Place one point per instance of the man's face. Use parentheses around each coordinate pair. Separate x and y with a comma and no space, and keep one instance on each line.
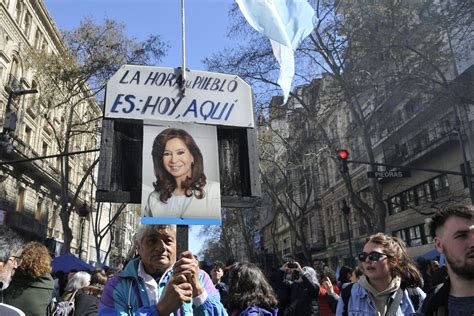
(316,264)
(7,269)
(216,274)
(456,241)
(158,250)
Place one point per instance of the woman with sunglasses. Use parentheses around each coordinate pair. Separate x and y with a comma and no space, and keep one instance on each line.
(390,284)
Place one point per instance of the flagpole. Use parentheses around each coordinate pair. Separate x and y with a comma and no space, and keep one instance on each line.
(183,55)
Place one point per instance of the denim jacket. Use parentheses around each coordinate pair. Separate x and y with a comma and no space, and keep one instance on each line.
(361,305)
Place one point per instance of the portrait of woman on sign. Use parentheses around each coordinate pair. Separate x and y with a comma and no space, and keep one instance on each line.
(181,192)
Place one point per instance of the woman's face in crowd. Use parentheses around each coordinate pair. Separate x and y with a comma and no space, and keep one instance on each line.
(376,269)
(177,159)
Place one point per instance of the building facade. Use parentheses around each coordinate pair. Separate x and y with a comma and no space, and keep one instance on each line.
(428,128)
(31,191)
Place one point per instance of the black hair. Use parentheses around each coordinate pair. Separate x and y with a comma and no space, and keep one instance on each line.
(218,265)
(345,270)
(457,210)
(248,287)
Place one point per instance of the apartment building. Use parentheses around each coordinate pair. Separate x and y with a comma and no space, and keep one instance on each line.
(30,192)
(409,124)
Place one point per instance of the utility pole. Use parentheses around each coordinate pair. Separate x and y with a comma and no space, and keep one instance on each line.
(346,210)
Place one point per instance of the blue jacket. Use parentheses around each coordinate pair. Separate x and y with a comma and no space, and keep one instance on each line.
(360,303)
(125,294)
(257,311)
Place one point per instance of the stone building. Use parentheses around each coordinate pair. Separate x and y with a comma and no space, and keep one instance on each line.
(429,128)
(30,191)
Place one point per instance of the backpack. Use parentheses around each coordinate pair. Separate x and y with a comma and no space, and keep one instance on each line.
(65,308)
(413,294)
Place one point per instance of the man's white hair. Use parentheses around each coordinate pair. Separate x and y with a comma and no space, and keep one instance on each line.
(78,281)
(142,230)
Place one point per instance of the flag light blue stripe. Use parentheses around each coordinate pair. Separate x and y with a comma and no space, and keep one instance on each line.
(286,23)
(179,221)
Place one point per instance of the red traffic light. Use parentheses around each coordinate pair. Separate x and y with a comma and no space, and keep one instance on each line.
(343,154)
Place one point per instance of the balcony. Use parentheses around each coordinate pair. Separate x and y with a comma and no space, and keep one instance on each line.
(418,146)
(343,236)
(27,223)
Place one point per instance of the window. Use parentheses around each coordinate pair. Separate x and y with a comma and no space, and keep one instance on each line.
(424,192)
(15,68)
(20,201)
(413,236)
(403,150)
(38,39)
(28,135)
(27,24)
(18,11)
(441,186)
(395,205)
(38,211)
(44,149)
(44,45)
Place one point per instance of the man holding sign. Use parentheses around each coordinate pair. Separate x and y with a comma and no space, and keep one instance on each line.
(157,284)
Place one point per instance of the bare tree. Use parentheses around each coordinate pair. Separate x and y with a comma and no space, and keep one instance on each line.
(70,82)
(375,54)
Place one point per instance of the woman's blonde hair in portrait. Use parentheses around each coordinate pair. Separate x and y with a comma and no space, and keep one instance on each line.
(36,260)
(404,267)
(165,182)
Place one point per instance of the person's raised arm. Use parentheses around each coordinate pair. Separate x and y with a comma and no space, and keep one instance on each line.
(206,298)
(177,291)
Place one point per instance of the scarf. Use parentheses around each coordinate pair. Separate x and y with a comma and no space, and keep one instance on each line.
(380,299)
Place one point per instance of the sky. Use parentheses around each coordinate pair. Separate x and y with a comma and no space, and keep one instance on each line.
(206,28)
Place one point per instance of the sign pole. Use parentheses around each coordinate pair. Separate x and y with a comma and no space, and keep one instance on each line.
(182,236)
(182,233)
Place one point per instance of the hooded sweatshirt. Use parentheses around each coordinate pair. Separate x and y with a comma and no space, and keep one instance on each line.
(380,299)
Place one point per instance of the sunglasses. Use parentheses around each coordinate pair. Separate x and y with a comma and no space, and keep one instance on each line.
(373,256)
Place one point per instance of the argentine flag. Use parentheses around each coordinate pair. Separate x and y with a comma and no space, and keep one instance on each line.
(286,23)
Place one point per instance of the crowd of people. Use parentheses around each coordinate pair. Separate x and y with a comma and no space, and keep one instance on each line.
(158,281)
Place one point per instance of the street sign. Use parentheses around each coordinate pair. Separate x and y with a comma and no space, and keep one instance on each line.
(389,174)
(153,93)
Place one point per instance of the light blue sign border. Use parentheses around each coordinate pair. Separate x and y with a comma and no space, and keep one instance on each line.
(179,221)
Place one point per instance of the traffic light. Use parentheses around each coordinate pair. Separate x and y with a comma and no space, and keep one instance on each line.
(342,155)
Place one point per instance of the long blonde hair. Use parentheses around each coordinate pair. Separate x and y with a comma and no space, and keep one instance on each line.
(405,268)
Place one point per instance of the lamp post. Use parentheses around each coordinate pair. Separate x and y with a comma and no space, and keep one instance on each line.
(9,124)
(10,117)
(347,211)
(83,212)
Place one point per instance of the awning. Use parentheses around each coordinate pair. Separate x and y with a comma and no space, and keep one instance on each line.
(68,262)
